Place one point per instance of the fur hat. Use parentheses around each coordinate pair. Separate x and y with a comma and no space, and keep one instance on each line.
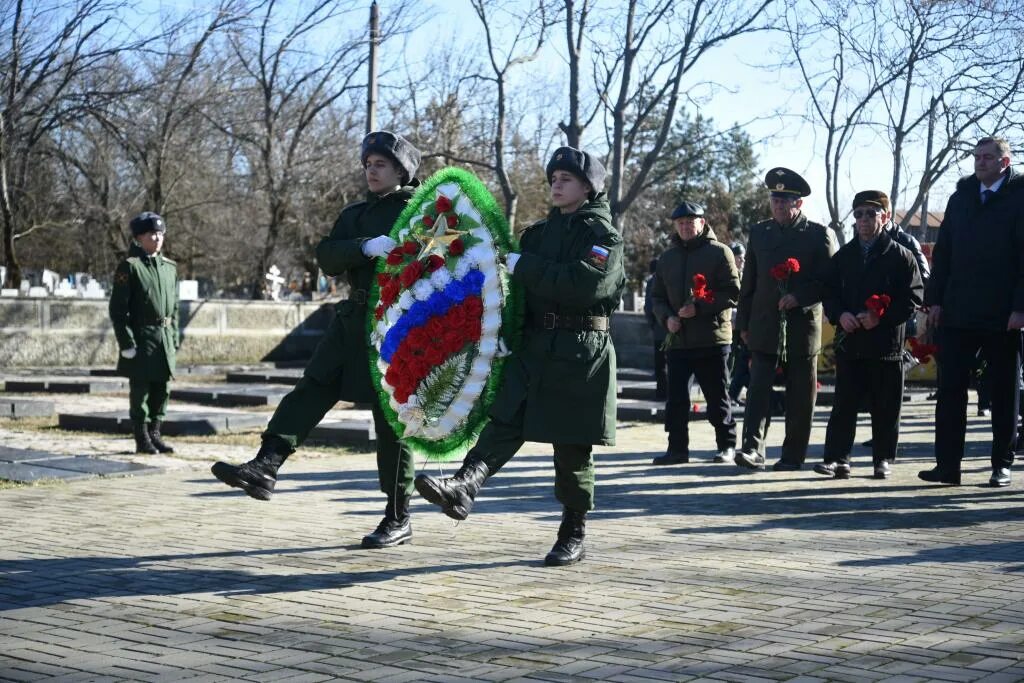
(394,147)
(581,164)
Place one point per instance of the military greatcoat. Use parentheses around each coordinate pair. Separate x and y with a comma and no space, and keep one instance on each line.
(812,244)
(343,351)
(571,265)
(144,311)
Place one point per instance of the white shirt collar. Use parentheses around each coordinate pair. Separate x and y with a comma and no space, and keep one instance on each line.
(996,185)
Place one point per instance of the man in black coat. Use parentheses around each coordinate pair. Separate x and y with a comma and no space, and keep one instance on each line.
(975,300)
(869,341)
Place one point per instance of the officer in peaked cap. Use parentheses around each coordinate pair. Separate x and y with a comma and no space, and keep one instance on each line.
(340,367)
(766,304)
(144,311)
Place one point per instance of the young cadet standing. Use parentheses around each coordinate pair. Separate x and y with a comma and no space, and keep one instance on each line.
(700,332)
(340,367)
(144,311)
(762,308)
(869,347)
(559,388)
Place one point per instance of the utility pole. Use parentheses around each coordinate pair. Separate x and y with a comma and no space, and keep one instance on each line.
(927,160)
(371,85)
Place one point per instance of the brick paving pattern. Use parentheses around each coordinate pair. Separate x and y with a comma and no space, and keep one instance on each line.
(693,572)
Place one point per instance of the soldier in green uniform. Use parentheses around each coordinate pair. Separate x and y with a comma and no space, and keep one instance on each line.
(762,306)
(340,367)
(144,311)
(559,388)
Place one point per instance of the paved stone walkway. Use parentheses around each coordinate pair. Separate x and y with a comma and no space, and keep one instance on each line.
(694,572)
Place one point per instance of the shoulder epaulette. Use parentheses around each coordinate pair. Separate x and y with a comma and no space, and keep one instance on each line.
(599,228)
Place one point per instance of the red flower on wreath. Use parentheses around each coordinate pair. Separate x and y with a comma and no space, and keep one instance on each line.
(411,247)
(428,221)
(443,204)
(411,273)
(456,247)
(395,256)
(434,261)
(452,219)
(389,292)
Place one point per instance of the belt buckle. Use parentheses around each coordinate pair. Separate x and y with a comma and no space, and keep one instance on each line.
(550,320)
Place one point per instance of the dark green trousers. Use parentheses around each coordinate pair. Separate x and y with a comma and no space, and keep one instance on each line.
(801,391)
(574,466)
(304,406)
(147,400)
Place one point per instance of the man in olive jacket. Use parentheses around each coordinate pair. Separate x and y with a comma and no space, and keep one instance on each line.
(559,388)
(700,330)
(975,299)
(144,310)
(340,367)
(762,309)
(869,347)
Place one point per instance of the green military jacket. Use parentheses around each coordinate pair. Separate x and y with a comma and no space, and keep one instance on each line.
(343,351)
(672,285)
(770,244)
(144,311)
(563,379)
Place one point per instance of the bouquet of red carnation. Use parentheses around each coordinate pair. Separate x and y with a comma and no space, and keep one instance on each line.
(877,304)
(698,292)
(781,273)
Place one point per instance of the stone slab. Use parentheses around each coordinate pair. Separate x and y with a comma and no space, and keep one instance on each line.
(98,466)
(289,376)
(27,472)
(18,408)
(199,423)
(355,432)
(27,466)
(231,394)
(58,384)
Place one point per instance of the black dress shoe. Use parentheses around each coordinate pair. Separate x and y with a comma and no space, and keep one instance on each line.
(1000,477)
(937,476)
(672,458)
(883,470)
(836,470)
(783,466)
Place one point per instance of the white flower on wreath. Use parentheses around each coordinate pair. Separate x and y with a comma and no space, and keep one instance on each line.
(406,300)
(422,290)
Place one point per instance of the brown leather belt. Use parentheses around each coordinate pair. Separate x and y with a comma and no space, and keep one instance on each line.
(357,296)
(580,323)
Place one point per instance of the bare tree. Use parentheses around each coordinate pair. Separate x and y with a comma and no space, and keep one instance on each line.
(288,85)
(640,77)
(52,64)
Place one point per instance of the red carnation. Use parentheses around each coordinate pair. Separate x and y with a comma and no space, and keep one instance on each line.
(378,313)
(428,221)
(410,247)
(443,204)
(389,292)
(452,219)
(456,247)
(793,265)
(699,281)
(383,279)
(411,273)
(434,262)
(878,303)
(395,256)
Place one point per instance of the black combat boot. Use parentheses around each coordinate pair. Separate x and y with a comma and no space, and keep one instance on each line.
(454,494)
(259,475)
(395,528)
(142,442)
(155,438)
(568,549)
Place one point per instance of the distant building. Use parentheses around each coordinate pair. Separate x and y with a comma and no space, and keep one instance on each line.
(913,226)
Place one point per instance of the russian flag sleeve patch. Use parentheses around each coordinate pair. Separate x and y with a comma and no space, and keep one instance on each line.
(598,256)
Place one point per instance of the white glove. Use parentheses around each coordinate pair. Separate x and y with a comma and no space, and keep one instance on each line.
(378,246)
(129,353)
(510,260)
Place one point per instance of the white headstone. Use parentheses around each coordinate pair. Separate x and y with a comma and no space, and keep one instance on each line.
(8,292)
(65,290)
(93,290)
(38,292)
(188,290)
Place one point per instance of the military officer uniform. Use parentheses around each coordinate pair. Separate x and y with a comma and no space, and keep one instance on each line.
(559,388)
(144,311)
(701,347)
(340,366)
(772,243)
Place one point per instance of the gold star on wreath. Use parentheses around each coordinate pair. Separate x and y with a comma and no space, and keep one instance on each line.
(442,235)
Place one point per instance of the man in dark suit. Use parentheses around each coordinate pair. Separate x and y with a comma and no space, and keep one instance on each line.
(975,300)
(780,319)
